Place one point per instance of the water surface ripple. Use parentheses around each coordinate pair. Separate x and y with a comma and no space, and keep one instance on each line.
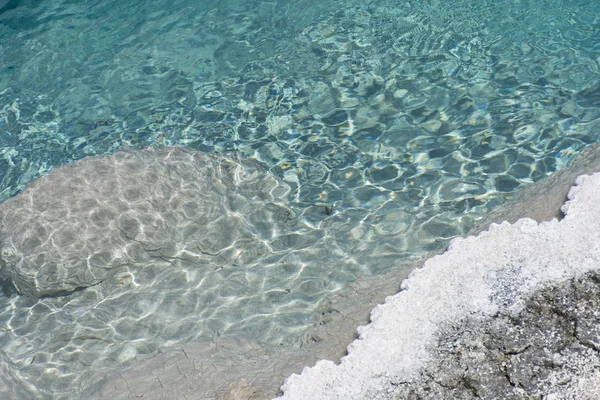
(395,125)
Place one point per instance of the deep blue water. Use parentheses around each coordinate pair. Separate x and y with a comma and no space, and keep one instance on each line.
(410,120)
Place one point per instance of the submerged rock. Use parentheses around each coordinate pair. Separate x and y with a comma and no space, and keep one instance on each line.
(157,208)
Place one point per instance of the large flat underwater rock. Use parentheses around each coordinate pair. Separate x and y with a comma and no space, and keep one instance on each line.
(156,208)
(482,319)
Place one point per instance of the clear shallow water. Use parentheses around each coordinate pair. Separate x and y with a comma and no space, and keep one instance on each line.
(410,120)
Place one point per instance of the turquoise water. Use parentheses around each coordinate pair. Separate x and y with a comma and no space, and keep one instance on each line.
(396,125)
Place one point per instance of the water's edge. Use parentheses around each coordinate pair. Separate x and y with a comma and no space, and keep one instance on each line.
(508,313)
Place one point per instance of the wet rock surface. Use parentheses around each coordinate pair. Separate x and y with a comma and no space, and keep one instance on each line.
(550,349)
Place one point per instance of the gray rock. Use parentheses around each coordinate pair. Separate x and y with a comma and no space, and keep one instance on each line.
(547,350)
